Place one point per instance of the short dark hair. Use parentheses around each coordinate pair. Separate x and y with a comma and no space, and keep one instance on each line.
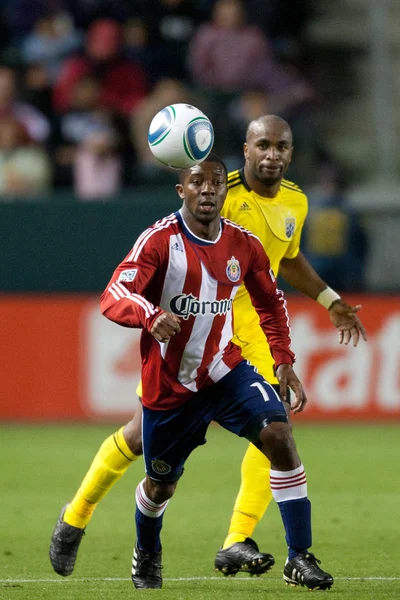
(210,158)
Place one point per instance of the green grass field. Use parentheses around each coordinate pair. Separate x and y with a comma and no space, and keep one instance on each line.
(353,479)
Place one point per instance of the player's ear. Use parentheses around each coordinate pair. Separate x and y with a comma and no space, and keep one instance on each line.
(245,150)
(179,189)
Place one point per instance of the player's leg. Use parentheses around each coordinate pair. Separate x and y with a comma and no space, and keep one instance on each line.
(254,494)
(253,498)
(152,498)
(110,463)
(253,409)
(289,488)
(115,455)
(168,439)
(239,551)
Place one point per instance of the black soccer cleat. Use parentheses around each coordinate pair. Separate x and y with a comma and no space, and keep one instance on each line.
(303,570)
(243,556)
(64,545)
(146,569)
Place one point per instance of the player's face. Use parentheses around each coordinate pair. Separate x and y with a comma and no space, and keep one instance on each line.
(268,151)
(203,192)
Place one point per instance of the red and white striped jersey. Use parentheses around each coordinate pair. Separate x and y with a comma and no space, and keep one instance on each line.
(171,269)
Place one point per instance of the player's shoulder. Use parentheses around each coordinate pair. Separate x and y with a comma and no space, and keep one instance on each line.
(161,228)
(164,223)
(236,183)
(294,198)
(235,178)
(236,231)
(292,189)
(152,237)
(239,194)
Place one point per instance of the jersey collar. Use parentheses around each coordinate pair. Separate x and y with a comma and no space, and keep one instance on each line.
(194,238)
(243,180)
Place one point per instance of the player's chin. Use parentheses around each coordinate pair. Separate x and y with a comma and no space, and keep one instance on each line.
(207,216)
(269,178)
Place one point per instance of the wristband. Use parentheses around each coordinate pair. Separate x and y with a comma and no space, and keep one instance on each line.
(327,297)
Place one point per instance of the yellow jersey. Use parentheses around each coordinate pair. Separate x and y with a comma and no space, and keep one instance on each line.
(278,223)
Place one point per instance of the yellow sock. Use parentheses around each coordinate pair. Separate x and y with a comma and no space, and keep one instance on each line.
(253,498)
(109,464)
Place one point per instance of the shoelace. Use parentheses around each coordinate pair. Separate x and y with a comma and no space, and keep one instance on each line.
(148,567)
(312,557)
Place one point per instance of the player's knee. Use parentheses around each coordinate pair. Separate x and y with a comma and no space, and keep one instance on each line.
(277,443)
(277,434)
(160,491)
(133,437)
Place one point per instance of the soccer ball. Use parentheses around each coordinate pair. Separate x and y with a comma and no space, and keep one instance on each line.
(180,136)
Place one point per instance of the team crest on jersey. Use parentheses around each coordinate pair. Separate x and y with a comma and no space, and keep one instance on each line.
(233,269)
(290,224)
(128,275)
(160,467)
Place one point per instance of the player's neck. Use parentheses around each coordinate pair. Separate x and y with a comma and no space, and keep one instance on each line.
(205,231)
(262,189)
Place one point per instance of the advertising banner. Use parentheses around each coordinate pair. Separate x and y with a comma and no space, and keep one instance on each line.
(62,360)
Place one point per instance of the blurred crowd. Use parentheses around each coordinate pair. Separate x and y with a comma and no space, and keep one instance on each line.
(81,80)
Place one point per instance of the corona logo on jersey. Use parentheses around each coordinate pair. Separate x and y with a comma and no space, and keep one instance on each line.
(290,223)
(233,270)
(186,305)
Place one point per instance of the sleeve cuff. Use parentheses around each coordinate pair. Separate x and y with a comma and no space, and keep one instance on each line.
(282,357)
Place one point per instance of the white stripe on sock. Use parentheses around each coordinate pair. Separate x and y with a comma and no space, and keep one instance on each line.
(288,485)
(147,506)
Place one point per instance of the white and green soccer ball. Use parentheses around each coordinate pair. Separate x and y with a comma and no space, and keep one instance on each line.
(181,136)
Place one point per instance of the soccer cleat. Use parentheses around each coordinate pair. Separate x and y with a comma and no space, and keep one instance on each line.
(64,545)
(304,570)
(243,556)
(146,569)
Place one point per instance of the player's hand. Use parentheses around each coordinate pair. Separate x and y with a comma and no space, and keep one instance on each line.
(287,377)
(345,319)
(165,326)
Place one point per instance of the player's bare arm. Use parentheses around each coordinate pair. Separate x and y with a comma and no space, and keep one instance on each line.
(299,273)
(287,377)
(165,326)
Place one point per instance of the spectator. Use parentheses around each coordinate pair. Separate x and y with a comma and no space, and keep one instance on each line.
(123,83)
(226,54)
(84,12)
(53,39)
(98,166)
(171,25)
(37,89)
(139,48)
(24,167)
(75,126)
(30,118)
(21,15)
(228,57)
(283,21)
(334,239)
(231,131)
